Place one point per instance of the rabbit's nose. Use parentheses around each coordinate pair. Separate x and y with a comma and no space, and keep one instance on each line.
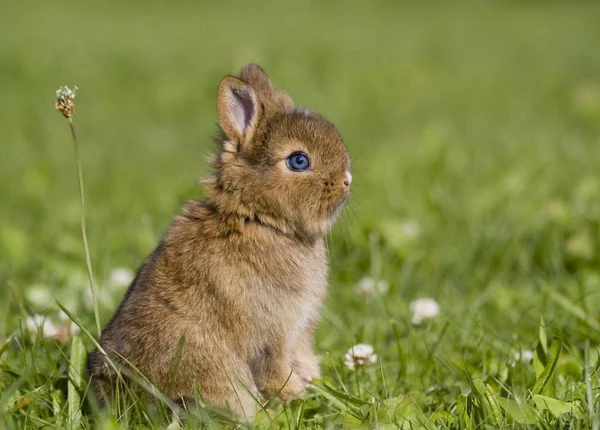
(348,179)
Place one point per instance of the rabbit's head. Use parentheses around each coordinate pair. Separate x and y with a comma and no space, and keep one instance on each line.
(280,166)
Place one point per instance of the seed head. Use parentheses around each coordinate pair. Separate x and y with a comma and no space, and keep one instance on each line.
(65,103)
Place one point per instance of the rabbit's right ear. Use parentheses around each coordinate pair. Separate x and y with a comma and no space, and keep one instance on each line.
(238,109)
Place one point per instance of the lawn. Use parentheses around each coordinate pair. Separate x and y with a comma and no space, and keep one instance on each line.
(474,129)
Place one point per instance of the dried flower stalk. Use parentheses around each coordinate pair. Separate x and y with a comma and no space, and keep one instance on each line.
(65,104)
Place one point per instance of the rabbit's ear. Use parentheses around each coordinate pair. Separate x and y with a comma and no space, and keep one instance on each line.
(254,75)
(258,79)
(238,109)
(283,100)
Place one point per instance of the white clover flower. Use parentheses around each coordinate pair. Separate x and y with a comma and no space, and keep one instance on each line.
(368,286)
(359,356)
(524,356)
(37,323)
(424,309)
(51,330)
(121,277)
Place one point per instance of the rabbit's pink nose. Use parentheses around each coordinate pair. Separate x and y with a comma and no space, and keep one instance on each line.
(348,180)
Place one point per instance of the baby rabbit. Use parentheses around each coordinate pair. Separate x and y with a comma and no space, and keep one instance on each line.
(227,303)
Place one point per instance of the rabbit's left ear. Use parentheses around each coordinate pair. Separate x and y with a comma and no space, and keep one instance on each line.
(238,109)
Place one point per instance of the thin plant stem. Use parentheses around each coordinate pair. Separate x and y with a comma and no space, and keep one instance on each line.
(88,260)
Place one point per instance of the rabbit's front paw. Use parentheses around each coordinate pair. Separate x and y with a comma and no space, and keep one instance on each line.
(294,387)
(307,367)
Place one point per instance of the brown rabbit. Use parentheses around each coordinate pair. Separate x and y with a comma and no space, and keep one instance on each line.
(235,286)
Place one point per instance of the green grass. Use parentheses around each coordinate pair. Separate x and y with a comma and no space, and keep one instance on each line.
(479,122)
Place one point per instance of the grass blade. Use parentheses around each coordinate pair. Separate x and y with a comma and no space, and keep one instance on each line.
(76,368)
(571,307)
(345,398)
(541,384)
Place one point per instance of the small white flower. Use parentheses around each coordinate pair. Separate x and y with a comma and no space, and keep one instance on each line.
(524,356)
(360,355)
(368,286)
(49,329)
(37,323)
(121,277)
(424,309)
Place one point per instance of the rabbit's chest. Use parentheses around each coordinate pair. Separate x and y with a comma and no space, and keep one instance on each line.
(288,291)
(296,289)
(289,309)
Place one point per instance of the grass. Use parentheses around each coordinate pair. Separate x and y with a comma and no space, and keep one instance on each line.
(475,129)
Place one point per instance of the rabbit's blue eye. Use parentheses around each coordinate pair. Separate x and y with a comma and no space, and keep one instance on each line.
(298,162)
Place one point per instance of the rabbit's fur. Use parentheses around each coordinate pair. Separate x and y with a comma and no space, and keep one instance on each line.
(227,303)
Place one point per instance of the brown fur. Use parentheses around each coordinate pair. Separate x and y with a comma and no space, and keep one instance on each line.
(241,276)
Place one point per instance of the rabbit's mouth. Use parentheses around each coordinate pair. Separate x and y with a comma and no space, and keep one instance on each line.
(334,213)
(335,210)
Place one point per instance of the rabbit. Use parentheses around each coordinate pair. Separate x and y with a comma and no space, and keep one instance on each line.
(227,303)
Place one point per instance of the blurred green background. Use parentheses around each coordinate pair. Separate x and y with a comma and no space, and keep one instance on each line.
(474,129)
